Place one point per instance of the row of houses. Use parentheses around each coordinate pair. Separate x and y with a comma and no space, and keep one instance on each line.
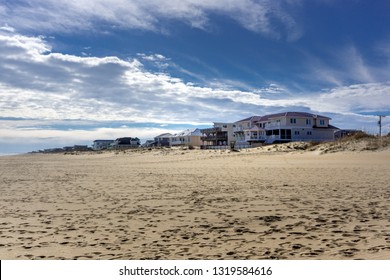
(249,132)
(256,130)
(184,138)
(119,143)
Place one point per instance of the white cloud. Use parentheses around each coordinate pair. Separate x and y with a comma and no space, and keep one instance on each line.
(44,85)
(7,28)
(356,65)
(371,97)
(153,57)
(158,60)
(74,15)
(40,84)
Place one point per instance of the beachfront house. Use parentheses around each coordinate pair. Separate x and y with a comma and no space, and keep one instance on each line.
(126,143)
(163,140)
(187,137)
(80,148)
(247,132)
(286,127)
(98,145)
(220,135)
(148,143)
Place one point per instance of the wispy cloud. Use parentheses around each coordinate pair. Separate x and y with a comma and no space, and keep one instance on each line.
(158,60)
(370,97)
(37,83)
(356,66)
(40,84)
(76,15)
(383,48)
(345,65)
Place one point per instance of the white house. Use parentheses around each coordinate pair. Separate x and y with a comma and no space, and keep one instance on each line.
(101,144)
(246,130)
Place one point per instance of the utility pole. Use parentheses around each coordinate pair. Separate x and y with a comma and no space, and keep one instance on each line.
(380,124)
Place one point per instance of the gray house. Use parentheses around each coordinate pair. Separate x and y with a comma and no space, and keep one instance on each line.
(126,143)
(163,140)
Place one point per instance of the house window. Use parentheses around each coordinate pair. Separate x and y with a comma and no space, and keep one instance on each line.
(285,134)
(293,120)
(224,126)
(308,121)
(309,133)
(322,122)
(296,133)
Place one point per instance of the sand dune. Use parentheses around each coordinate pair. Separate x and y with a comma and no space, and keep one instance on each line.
(193,204)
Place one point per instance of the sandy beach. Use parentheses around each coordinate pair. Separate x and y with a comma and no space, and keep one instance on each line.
(196,204)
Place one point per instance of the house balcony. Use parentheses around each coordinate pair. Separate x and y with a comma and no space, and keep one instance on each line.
(211,130)
(177,143)
(254,138)
(273,125)
(213,138)
(238,132)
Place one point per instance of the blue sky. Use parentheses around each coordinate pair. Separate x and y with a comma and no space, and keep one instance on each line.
(72,71)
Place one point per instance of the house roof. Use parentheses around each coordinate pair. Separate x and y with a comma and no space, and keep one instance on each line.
(244,120)
(253,128)
(252,118)
(164,135)
(283,114)
(328,127)
(126,140)
(103,141)
(292,114)
(188,132)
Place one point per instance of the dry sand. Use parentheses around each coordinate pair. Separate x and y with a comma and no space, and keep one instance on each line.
(192,204)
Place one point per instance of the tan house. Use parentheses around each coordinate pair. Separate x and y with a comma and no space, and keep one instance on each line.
(186,138)
(221,134)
